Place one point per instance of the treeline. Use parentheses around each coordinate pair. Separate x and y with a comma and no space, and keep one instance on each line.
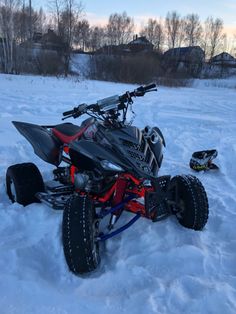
(19,23)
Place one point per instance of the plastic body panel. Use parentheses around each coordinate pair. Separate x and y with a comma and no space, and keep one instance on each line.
(45,145)
(141,155)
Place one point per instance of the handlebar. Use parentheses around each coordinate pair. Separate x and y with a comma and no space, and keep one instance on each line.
(150,86)
(77,111)
(67,113)
(145,88)
(109,102)
(140,91)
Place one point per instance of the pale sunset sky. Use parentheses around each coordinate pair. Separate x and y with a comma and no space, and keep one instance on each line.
(98,11)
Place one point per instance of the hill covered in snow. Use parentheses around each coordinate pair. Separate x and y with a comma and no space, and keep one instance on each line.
(152,267)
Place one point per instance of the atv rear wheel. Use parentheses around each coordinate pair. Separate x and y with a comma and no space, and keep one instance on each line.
(190,201)
(23,181)
(79,232)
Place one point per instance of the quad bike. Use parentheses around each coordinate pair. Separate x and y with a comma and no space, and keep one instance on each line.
(108,167)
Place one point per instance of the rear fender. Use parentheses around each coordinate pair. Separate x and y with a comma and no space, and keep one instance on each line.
(45,145)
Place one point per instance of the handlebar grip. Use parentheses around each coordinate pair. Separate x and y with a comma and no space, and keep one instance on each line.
(150,86)
(66,113)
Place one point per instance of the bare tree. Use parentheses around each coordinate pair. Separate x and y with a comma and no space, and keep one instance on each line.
(181,35)
(213,36)
(229,44)
(233,49)
(41,20)
(193,29)
(96,38)
(172,23)
(82,32)
(67,14)
(120,28)
(22,23)
(7,10)
(56,7)
(154,32)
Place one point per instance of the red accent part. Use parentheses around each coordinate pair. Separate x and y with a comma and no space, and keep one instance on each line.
(129,176)
(119,194)
(121,184)
(108,195)
(121,181)
(65,138)
(66,149)
(72,173)
(136,207)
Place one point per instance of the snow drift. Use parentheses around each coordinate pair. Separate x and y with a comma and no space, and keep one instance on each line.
(152,267)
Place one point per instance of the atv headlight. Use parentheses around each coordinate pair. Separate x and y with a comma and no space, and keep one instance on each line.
(108,165)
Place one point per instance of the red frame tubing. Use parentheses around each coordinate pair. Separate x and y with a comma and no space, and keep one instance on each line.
(119,189)
(72,173)
(119,193)
(136,208)
(121,184)
(108,195)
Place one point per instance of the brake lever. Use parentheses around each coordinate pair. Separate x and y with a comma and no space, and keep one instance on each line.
(77,114)
(151,90)
(67,117)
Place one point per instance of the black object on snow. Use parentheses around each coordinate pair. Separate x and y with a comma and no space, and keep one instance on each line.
(202,160)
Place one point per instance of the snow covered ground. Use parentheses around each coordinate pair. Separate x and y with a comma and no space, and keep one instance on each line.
(80,64)
(151,268)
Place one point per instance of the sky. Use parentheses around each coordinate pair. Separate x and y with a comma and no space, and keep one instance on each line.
(98,11)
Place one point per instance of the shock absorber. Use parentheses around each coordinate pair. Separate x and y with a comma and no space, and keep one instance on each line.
(118,198)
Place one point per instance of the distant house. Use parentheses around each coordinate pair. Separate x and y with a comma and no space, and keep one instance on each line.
(42,54)
(140,44)
(224,59)
(112,49)
(52,41)
(184,59)
(193,54)
(49,41)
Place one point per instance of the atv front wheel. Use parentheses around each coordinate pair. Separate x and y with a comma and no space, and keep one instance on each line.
(190,201)
(79,232)
(23,181)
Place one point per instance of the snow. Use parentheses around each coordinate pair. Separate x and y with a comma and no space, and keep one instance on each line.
(152,267)
(230,82)
(81,64)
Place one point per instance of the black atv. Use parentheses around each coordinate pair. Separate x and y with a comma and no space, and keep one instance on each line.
(103,167)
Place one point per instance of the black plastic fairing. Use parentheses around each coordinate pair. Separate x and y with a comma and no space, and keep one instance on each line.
(45,145)
(143,157)
(90,154)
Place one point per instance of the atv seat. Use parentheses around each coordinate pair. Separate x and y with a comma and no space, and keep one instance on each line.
(67,132)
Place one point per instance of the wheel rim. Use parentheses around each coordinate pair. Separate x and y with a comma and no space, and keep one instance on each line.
(180,208)
(13,191)
(95,241)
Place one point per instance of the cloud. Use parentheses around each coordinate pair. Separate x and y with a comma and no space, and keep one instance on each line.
(230,30)
(141,20)
(231,5)
(95,19)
